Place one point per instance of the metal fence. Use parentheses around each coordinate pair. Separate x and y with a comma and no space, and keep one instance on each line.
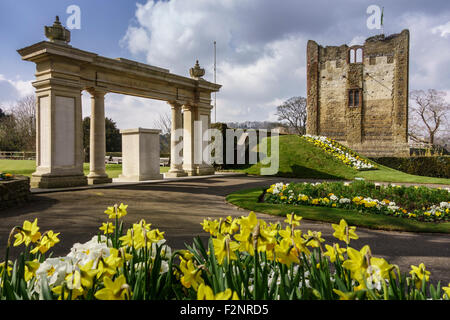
(18,155)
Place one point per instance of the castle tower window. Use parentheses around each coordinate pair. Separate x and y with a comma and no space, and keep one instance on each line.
(355,55)
(354,98)
(359,55)
(352,56)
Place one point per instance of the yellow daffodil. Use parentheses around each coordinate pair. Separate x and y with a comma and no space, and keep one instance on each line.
(107,228)
(114,290)
(186,254)
(2,267)
(345,295)
(108,267)
(383,267)
(357,262)
(74,292)
(192,276)
(266,238)
(47,241)
(249,222)
(419,273)
(334,251)
(446,292)
(229,225)
(245,240)
(211,226)
(286,253)
(117,211)
(293,219)
(225,247)
(28,233)
(313,238)
(134,237)
(30,269)
(344,232)
(154,235)
(206,293)
(87,275)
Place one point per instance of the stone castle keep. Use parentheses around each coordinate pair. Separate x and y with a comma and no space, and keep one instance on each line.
(358,95)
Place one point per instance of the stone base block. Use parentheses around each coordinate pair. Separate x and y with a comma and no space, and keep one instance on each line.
(98,180)
(200,171)
(175,174)
(48,182)
(123,178)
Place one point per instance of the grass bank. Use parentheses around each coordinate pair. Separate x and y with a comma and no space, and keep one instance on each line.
(301,159)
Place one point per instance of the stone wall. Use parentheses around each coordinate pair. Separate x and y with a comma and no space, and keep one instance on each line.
(378,126)
(14,192)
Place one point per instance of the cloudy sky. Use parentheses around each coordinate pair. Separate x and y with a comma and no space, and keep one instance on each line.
(261,45)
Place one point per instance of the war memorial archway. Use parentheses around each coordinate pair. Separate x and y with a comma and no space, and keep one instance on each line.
(63,72)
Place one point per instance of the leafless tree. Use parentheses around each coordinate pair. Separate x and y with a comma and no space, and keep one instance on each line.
(293,111)
(18,128)
(164,123)
(428,115)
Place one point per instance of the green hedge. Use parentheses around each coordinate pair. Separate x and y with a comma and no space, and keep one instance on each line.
(438,166)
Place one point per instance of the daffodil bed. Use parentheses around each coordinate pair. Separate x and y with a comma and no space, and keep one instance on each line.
(246,258)
(418,203)
(341,152)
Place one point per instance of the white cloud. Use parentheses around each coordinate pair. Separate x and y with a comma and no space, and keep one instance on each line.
(428,52)
(255,75)
(13,90)
(443,29)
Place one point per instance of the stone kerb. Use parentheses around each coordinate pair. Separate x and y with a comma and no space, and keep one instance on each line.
(140,155)
(14,192)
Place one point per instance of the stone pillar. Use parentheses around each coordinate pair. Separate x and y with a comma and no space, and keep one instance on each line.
(189,116)
(196,121)
(140,155)
(176,161)
(97,174)
(59,136)
(202,141)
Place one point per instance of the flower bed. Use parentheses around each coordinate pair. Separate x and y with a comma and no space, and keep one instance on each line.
(246,258)
(344,154)
(419,203)
(6,176)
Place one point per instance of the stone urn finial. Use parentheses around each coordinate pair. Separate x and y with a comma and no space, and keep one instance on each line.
(196,72)
(57,33)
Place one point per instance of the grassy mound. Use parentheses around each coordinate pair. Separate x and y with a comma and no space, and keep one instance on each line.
(301,159)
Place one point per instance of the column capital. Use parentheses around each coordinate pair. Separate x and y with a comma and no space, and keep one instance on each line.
(189,106)
(95,92)
(174,104)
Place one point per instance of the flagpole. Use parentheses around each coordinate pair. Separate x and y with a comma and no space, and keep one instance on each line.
(215,98)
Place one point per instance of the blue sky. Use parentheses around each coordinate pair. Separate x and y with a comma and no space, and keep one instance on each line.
(103,24)
(261,45)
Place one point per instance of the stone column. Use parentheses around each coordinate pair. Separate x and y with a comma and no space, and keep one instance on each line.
(97,174)
(196,122)
(59,136)
(176,163)
(189,117)
(201,141)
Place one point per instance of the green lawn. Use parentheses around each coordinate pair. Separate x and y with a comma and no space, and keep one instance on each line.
(248,199)
(27,167)
(301,159)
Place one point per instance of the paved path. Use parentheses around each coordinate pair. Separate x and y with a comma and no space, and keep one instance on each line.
(178,207)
